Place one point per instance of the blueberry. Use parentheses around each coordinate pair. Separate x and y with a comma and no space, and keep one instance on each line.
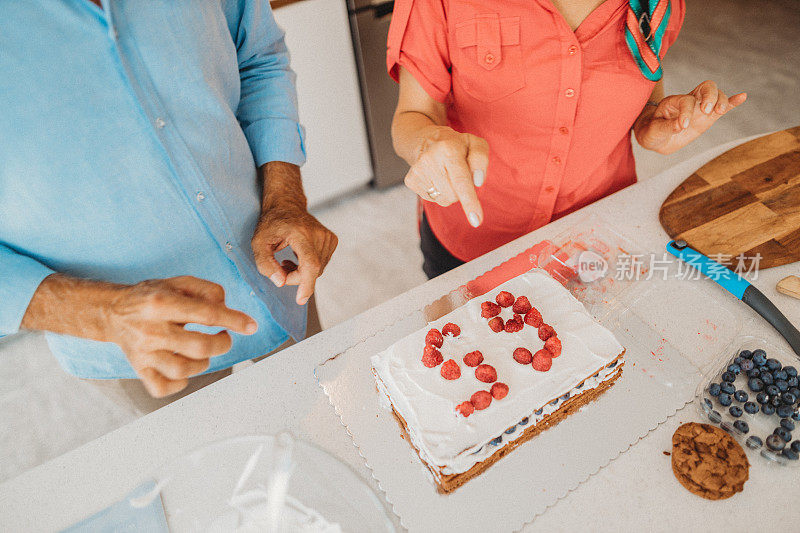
(740,395)
(790,454)
(738,360)
(759,357)
(715,417)
(554,402)
(773,390)
(754,442)
(767,409)
(775,443)
(728,376)
(511,430)
(746,354)
(762,397)
(787,424)
(780,374)
(796,415)
(767,378)
(564,397)
(735,411)
(783,433)
(727,388)
(713,389)
(727,426)
(784,411)
(724,399)
(788,398)
(747,365)
(775,401)
(734,368)
(782,385)
(795,391)
(790,371)
(793,382)
(524,421)
(496,441)
(742,426)
(751,407)
(755,384)
(773,364)
(708,403)
(754,373)
(796,446)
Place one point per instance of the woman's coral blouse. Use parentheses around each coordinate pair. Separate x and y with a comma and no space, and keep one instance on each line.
(556,106)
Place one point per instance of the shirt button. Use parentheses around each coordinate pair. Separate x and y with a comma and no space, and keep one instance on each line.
(556,160)
(572,50)
(252,293)
(489,58)
(563,130)
(569,93)
(160,123)
(201,196)
(228,246)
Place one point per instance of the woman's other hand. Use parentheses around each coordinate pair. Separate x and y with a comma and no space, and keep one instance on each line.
(679,119)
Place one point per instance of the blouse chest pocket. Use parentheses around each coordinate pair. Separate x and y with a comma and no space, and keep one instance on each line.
(487,62)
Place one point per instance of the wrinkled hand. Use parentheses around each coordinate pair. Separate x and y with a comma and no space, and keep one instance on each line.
(313,244)
(680,119)
(453,164)
(147,321)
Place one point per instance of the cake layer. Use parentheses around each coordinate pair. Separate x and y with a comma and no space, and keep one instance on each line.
(449,483)
(452,444)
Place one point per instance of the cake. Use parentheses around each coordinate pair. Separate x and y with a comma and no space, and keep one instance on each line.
(492,374)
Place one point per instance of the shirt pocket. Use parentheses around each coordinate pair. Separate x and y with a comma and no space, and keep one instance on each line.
(487,63)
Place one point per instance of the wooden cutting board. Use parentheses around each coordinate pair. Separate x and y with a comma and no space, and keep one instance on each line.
(746,201)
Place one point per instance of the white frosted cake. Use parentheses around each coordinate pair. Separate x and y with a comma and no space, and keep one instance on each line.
(492,374)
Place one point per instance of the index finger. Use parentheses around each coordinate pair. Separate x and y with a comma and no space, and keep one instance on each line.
(462,184)
(186,310)
(308,269)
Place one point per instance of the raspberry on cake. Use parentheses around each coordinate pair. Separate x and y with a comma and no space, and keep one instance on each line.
(529,376)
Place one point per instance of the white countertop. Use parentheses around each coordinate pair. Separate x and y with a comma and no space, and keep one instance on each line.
(280,393)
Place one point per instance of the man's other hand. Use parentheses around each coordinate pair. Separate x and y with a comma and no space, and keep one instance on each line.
(313,243)
(285,221)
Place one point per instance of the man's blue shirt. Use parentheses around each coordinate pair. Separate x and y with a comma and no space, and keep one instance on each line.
(129,142)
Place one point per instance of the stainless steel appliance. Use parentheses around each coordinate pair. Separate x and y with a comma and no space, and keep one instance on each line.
(369,22)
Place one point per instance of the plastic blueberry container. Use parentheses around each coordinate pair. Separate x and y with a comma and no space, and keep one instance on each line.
(759,424)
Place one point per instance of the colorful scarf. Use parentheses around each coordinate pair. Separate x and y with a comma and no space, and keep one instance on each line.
(644,32)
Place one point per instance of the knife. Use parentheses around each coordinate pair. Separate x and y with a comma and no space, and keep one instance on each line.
(739,287)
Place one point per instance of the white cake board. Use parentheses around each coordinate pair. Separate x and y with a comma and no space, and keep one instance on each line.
(665,354)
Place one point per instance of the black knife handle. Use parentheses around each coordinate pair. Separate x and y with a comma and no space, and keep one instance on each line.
(764,307)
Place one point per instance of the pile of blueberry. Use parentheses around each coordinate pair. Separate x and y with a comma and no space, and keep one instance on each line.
(774,389)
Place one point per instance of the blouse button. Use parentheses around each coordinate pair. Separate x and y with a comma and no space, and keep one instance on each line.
(556,160)
(569,93)
(563,130)
(572,50)
(489,58)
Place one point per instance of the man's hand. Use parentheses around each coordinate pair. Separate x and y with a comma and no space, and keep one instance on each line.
(285,222)
(146,320)
(447,169)
(680,119)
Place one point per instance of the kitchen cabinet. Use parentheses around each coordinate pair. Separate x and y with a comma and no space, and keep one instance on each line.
(321,48)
